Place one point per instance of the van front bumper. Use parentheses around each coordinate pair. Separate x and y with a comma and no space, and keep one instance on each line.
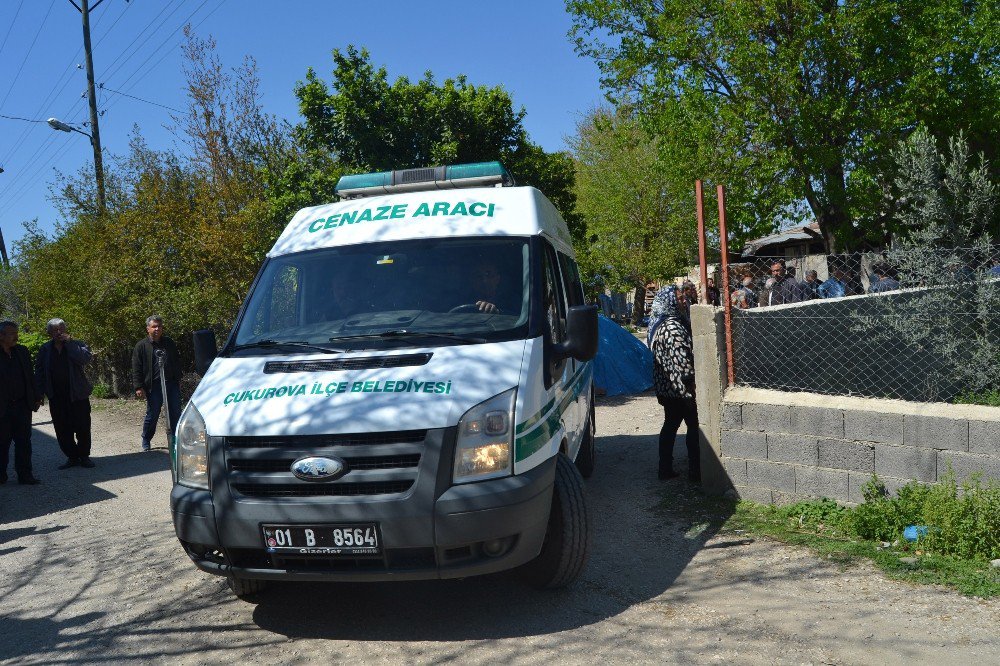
(467,530)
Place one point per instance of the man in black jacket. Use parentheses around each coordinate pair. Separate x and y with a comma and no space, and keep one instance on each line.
(60,376)
(18,399)
(146,378)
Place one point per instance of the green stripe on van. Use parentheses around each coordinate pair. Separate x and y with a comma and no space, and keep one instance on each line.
(529,444)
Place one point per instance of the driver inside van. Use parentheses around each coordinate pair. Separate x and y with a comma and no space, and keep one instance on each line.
(341,298)
(485,286)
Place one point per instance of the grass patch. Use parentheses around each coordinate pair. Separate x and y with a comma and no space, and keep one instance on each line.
(990,398)
(963,524)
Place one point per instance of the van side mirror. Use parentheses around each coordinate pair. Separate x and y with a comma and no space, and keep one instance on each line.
(205,350)
(581,334)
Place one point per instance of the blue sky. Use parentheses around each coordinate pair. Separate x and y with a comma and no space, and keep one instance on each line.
(519,44)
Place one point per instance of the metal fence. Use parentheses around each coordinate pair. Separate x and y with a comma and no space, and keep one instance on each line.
(912,323)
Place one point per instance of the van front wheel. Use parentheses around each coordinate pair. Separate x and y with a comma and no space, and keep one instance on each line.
(246,589)
(567,538)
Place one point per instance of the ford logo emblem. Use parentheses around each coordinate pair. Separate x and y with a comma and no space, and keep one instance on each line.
(319,468)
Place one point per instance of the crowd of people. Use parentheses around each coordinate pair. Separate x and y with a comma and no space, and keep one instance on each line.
(57,374)
(782,286)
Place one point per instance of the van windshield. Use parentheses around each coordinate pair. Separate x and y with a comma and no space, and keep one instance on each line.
(404,293)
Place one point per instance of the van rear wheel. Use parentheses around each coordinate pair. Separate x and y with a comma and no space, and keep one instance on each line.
(246,589)
(587,457)
(567,538)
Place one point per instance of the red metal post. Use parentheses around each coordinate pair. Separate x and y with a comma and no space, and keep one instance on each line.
(702,261)
(720,193)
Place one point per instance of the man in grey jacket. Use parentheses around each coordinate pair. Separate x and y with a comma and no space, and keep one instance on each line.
(60,377)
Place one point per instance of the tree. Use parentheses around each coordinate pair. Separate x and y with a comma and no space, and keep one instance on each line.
(800,100)
(638,222)
(364,122)
(184,232)
(944,256)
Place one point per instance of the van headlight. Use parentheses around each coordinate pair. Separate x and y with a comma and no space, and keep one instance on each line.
(484,449)
(192,449)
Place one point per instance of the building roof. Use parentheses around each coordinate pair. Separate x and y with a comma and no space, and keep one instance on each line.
(792,236)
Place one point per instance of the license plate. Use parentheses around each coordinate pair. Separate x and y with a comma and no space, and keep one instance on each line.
(349,540)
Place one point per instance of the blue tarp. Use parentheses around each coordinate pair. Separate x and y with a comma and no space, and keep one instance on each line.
(623,364)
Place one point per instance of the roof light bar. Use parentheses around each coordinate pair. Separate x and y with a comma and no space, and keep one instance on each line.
(480,174)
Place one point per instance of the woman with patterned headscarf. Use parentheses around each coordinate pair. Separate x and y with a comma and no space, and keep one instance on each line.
(673,380)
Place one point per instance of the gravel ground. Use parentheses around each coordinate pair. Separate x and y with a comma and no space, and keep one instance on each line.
(90,571)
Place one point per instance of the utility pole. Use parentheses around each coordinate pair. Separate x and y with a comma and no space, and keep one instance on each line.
(95,133)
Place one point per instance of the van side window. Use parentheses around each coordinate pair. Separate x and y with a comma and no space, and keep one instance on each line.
(555,302)
(571,279)
(280,311)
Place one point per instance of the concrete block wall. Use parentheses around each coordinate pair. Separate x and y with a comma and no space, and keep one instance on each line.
(780,447)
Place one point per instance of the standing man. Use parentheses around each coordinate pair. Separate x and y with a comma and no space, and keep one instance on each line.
(18,398)
(835,286)
(812,283)
(712,293)
(785,289)
(146,378)
(59,375)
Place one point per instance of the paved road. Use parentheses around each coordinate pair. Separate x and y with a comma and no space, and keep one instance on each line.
(90,572)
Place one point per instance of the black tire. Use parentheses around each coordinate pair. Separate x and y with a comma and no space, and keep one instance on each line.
(246,589)
(567,538)
(586,458)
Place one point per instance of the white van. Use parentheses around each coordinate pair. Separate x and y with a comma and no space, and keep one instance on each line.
(403,396)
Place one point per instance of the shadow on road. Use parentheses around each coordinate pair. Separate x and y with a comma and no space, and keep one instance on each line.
(69,488)
(637,552)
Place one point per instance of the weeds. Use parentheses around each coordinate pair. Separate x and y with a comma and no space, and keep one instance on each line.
(962,536)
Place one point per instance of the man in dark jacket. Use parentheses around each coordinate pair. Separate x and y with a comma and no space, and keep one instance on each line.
(18,399)
(59,376)
(786,289)
(146,378)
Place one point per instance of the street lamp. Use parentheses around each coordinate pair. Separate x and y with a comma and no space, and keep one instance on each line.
(57,124)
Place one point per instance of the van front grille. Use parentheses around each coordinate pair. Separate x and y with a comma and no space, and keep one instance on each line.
(365,462)
(377,464)
(313,489)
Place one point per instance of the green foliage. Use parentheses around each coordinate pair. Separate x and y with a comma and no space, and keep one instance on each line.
(799,101)
(638,221)
(370,124)
(880,518)
(989,398)
(33,341)
(945,201)
(101,391)
(184,232)
(964,519)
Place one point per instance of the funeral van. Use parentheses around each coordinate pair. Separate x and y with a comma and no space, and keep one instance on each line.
(406,394)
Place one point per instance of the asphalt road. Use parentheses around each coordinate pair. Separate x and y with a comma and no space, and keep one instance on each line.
(90,571)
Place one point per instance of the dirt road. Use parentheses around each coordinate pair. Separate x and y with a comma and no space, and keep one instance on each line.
(90,571)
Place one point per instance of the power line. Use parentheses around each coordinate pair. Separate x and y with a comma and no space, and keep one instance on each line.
(168,51)
(38,155)
(159,48)
(19,69)
(11,26)
(119,92)
(53,93)
(110,68)
(27,120)
(50,152)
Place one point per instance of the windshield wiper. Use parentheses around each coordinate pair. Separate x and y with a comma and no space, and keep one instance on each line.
(287,343)
(404,333)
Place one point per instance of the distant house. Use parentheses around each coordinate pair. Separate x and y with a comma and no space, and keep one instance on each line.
(795,242)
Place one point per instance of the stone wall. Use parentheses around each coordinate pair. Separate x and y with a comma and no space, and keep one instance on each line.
(777,447)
